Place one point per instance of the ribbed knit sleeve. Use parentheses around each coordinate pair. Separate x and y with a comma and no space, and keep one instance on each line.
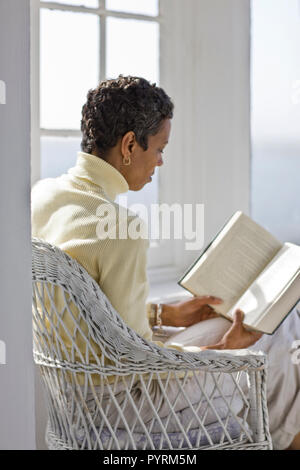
(123,278)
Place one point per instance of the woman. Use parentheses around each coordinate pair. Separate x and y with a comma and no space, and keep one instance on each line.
(126,124)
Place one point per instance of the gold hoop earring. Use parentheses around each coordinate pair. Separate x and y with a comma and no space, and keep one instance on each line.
(126,161)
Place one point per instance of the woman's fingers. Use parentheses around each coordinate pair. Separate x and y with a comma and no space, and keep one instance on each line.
(238,318)
(207,299)
(208,312)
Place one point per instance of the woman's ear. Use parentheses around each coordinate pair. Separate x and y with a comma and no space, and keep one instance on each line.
(127,144)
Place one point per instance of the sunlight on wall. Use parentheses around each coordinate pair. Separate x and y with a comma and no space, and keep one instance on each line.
(276,116)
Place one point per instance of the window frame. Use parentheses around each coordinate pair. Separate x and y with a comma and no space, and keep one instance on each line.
(159,257)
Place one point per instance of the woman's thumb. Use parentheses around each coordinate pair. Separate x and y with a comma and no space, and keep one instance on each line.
(238,317)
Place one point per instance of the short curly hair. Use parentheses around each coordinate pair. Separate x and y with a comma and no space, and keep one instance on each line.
(121,105)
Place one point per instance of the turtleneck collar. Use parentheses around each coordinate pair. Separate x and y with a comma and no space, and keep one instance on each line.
(100,173)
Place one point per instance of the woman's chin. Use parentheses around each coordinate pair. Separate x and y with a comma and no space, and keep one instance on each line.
(138,187)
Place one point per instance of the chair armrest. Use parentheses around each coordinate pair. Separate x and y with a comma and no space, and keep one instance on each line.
(215,360)
(135,354)
(206,361)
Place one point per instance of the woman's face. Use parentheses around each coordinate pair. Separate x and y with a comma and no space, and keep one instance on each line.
(144,162)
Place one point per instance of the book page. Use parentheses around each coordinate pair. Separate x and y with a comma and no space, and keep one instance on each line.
(273,318)
(232,262)
(269,285)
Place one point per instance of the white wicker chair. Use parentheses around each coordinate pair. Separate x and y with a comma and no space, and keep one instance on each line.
(69,375)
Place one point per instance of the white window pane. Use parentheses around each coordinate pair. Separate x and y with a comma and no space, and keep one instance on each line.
(132,48)
(276,116)
(144,7)
(84,3)
(58,154)
(69,66)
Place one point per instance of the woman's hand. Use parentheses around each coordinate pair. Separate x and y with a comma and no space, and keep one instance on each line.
(189,312)
(237,337)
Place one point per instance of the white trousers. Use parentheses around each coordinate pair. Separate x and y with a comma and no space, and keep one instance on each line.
(283,383)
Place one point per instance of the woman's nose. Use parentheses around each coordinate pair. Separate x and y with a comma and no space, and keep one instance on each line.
(160,162)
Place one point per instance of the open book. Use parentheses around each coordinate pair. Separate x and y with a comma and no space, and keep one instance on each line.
(249,269)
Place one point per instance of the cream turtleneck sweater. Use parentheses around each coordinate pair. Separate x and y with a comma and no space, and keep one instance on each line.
(64,214)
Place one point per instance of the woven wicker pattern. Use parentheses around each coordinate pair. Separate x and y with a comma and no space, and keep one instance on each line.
(82,386)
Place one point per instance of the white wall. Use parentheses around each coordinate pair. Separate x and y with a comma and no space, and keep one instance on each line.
(17,430)
(276,117)
(205,68)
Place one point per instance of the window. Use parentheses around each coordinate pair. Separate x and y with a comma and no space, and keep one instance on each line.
(82,42)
